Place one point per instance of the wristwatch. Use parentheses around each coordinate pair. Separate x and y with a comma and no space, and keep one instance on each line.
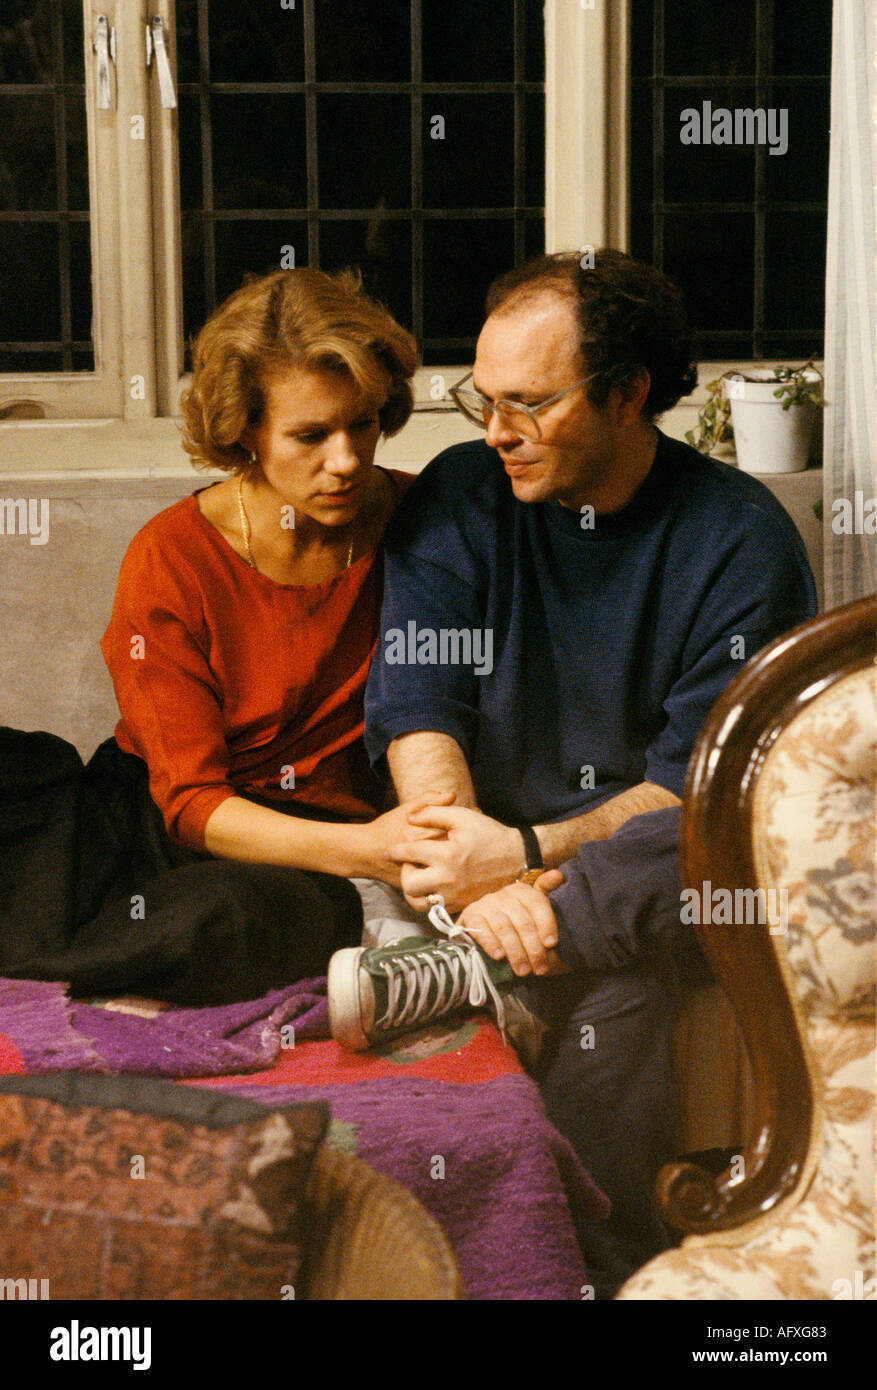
(532,854)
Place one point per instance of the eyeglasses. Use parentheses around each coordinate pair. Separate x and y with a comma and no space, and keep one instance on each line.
(519,417)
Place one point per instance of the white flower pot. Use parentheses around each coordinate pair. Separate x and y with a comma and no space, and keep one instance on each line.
(767,438)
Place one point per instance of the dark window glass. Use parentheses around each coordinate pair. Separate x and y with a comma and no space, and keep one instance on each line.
(26,41)
(534,135)
(45,253)
(251,41)
(464,257)
(364,151)
(790,177)
(255,247)
(706,173)
(741,226)
(463,42)
(711,256)
(258,148)
(701,40)
(381,248)
(534,27)
(80,281)
(30,306)
(795,272)
(191,186)
(28,166)
(358,42)
(463,169)
(802,37)
(378,181)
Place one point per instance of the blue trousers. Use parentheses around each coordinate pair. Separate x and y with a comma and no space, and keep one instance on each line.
(606,1070)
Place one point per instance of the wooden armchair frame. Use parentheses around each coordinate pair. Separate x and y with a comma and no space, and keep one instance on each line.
(716,846)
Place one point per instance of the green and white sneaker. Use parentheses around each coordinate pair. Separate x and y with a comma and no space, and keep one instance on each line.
(377,993)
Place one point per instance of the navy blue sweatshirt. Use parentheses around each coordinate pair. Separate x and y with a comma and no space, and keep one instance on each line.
(597,650)
(595,655)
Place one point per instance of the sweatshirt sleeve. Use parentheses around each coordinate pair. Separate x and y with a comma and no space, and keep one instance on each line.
(171,706)
(621,893)
(432,586)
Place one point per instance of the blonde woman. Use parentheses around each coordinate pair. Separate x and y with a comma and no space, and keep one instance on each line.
(214,836)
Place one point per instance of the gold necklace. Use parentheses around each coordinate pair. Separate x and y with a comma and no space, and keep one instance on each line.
(246,531)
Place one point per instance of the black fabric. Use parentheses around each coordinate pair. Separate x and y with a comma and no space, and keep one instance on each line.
(81,845)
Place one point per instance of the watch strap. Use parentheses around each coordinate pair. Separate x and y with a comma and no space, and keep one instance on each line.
(532,849)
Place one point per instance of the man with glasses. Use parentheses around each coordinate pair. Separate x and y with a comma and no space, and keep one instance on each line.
(623,578)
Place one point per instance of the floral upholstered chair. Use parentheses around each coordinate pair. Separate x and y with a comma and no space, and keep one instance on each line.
(780,798)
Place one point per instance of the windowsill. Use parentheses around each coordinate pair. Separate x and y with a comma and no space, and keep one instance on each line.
(67,453)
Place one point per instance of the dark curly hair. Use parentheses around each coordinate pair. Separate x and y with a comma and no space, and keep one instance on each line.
(630,316)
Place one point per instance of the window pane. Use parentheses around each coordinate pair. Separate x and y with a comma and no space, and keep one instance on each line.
(189,126)
(793,300)
(28,173)
(463,42)
(464,256)
(259,158)
(802,37)
(699,39)
(364,151)
(254,42)
(463,169)
(255,247)
(26,41)
(534,194)
(801,174)
(706,173)
(712,257)
(30,306)
(45,252)
(381,248)
(358,42)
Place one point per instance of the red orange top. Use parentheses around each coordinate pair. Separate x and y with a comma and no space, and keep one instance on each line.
(229,682)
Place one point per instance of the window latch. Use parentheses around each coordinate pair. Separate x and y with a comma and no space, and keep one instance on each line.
(104,47)
(155,46)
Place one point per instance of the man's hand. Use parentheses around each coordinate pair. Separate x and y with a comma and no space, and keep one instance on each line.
(518,923)
(478,855)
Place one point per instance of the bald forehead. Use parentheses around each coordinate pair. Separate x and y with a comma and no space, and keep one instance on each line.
(527,345)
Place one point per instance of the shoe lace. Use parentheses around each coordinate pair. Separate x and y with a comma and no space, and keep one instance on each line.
(457,969)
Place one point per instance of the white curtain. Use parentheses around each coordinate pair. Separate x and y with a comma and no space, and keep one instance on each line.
(850,454)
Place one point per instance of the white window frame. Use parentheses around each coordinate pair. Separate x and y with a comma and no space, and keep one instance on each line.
(123,384)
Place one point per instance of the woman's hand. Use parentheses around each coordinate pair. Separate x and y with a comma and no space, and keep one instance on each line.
(518,923)
(376,839)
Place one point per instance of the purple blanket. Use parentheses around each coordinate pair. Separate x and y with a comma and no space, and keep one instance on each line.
(481,1156)
(486,1163)
(51,1033)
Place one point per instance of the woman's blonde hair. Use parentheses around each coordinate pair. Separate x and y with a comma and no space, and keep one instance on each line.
(290,318)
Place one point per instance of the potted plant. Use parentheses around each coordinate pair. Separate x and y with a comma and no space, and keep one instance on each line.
(768,411)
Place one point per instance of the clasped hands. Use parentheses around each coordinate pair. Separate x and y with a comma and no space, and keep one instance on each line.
(472,861)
